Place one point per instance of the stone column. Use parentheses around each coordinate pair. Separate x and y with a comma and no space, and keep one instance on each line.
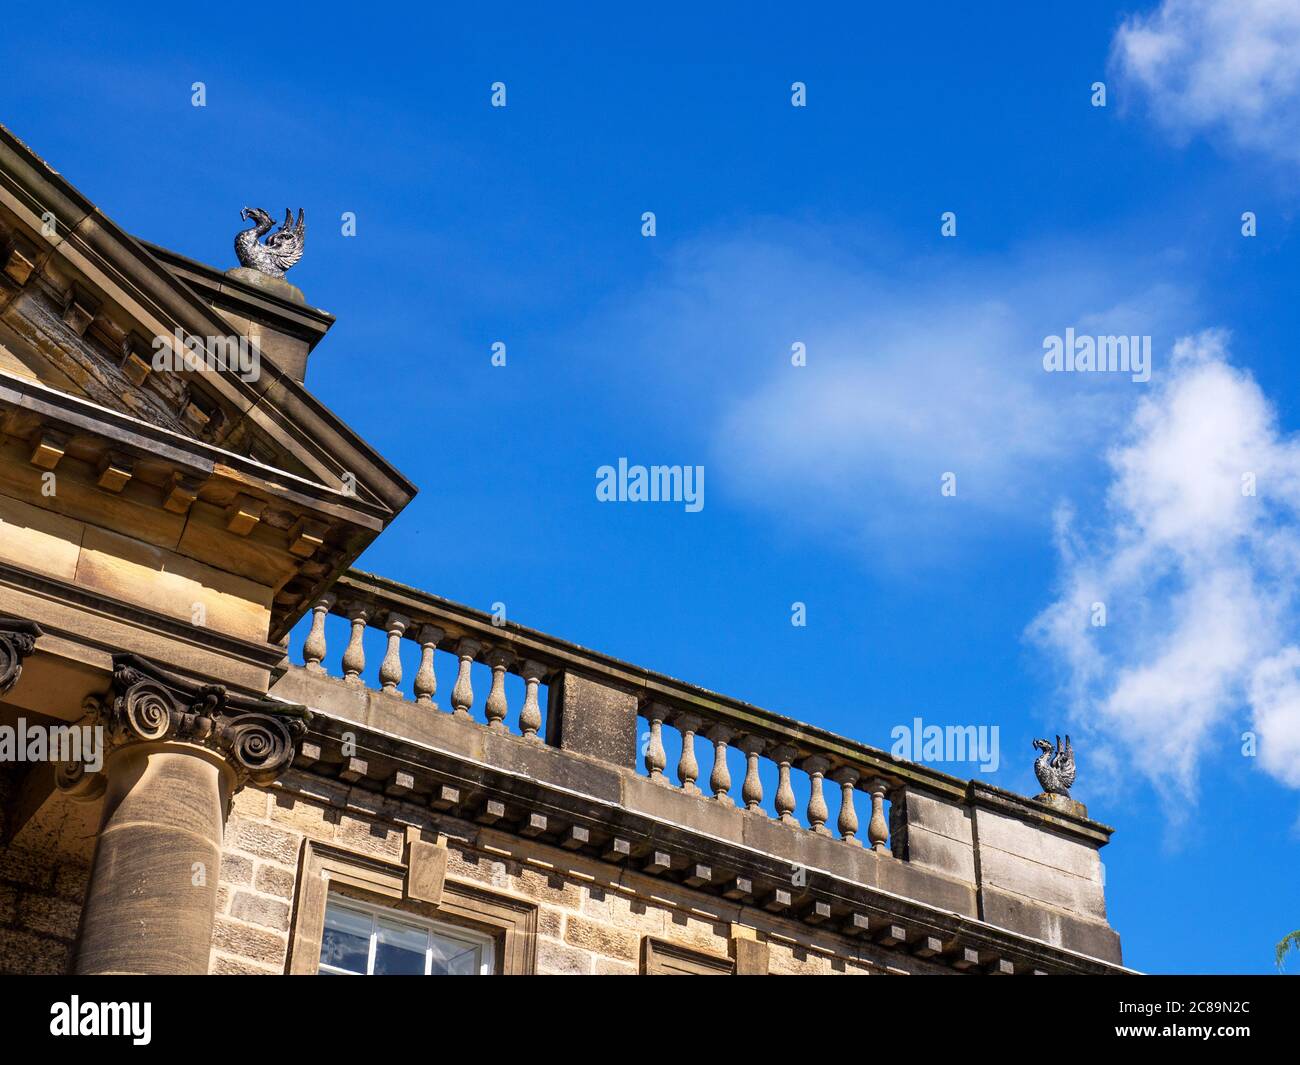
(176,751)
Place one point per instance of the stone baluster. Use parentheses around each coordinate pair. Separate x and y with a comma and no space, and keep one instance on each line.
(656,758)
(783,756)
(530,717)
(878,828)
(354,658)
(390,669)
(462,695)
(687,767)
(846,778)
(496,708)
(426,680)
(313,648)
(818,812)
(720,778)
(751,791)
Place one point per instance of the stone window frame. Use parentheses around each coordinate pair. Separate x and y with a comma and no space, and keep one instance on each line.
(659,957)
(327,867)
(484,942)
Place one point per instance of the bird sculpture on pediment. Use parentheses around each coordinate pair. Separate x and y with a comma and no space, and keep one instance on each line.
(1055,767)
(281,250)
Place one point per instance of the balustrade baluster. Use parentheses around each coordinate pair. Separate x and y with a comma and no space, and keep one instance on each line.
(425,684)
(818,812)
(720,778)
(878,828)
(687,767)
(783,756)
(846,778)
(354,658)
(530,717)
(390,669)
(496,708)
(462,695)
(751,791)
(656,758)
(313,648)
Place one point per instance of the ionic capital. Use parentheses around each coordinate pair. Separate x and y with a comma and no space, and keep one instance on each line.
(256,738)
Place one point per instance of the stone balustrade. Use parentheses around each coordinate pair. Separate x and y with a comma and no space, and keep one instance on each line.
(682,783)
(593,704)
(464,638)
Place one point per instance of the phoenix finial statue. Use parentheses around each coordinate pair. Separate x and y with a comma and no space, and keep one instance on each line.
(282,249)
(1055,768)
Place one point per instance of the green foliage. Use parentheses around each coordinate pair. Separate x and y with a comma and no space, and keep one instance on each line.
(1291,942)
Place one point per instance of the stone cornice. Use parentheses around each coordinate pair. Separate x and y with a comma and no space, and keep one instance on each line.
(507,788)
(267,656)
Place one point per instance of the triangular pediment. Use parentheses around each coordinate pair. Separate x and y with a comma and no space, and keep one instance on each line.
(84,310)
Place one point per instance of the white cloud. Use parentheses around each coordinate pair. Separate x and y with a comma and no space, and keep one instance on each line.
(1199,579)
(1224,67)
(915,368)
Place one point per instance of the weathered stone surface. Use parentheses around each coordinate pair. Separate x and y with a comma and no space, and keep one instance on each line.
(940,852)
(273,880)
(621,911)
(51,916)
(251,802)
(600,939)
(588,717)
(1038,845)
(1019,914)
(752,957)
(301,815)
(29,955)
(260,910)
(558,959)
(23,867)
(426,872)
(550,889)
(1012,873)
(935,814)
(245,941)
(550,922)
(266,841)
(71,880)
(148,909)
(373,837)
(236,868)
(227,965)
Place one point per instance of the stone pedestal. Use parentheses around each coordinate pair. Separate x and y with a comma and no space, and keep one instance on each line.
(276,286)
(1063,803)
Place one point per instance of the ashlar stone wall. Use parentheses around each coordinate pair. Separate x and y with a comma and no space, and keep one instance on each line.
(592,917)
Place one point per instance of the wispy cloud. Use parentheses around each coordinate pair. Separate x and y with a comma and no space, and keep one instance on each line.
(1222,67)
(916,367)
(1196,559)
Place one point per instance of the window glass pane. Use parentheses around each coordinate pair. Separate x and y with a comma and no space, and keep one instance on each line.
(345,943)
(454,957)
(400,949)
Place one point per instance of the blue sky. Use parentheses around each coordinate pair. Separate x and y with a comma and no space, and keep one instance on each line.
(821,225)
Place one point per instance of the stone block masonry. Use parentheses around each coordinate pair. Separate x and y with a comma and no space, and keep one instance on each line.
(592,918)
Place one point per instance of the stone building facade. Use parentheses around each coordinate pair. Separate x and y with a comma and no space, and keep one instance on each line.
(305,768)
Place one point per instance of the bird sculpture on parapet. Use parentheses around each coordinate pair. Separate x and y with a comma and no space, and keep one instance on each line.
(1055,767)
(282,249)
